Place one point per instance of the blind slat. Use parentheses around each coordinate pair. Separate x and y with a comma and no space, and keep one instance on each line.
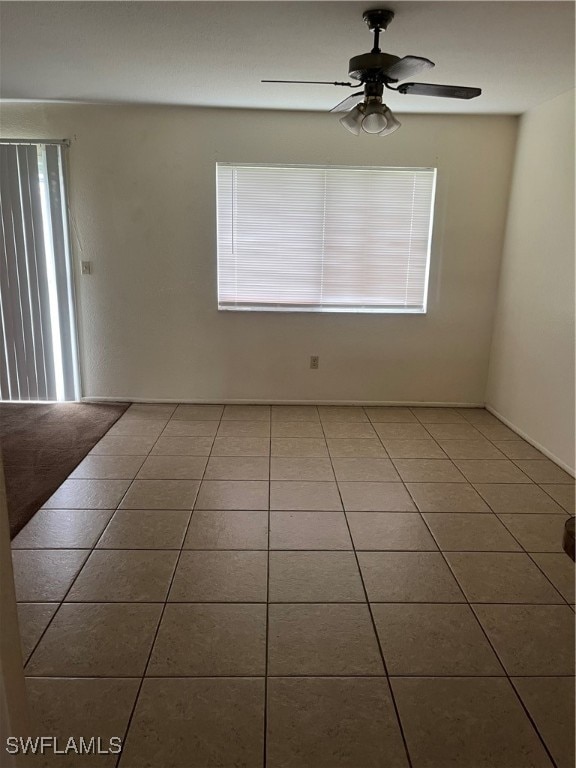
(323,238)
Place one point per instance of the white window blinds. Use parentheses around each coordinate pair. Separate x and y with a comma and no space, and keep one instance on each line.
(323,239)
(38,355)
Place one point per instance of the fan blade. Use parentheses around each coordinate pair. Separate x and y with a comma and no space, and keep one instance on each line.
(447,91)
(348,103)
(409,65)
(312,82)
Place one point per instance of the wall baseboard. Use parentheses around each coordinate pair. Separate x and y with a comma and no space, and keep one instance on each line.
(256,401)
(533,442)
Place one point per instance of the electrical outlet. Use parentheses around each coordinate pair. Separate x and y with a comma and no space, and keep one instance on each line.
(86,267)
(314,362)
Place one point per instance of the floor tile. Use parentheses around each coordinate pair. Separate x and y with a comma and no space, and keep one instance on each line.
(244,429)
(88,494)
(550,702)
(356,448)
(544,471)
(123,446)
(182,446)
(491,471)
(199,639)
(241,446)
(145,529)
(408,577)
(428,471)
(466,723)
(63,529)
(389,414)
(97,640)
(478,416)
(401,432)
(348,429)
(173,468)
(517,498)
(353,469)
(221,577)
(150,411)
(563,494)
(233,494)
(124,575)
(389,530)
(246,413)
(63,707)
(446,497)
(462,431)
(537,533)
(237,468)
(187,723)
(470,532)
(559,568)
(198,413)
(322,639)
(315,577)
(413,449)
(341,413)
(497,432)
(501,577)
(332,723)
(302,429)
(437,415)
(137,428)
(518,449)
(33,618)
(434,640)
(161,494)
(45,575)
(191,429)
(299,447)
(531,639)
(293,495)
(375,497)
(471,449)
(309,530)
(285,413)
(107,468)
(228,530)
(301,469)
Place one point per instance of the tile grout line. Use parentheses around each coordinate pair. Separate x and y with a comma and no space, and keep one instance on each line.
(369,607)
(265,723)
(497,655)
(163,610)
(492,512)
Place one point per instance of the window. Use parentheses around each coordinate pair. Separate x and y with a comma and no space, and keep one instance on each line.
(323,239)
(38,355)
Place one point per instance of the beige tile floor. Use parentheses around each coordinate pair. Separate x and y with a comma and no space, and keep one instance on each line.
(304,587)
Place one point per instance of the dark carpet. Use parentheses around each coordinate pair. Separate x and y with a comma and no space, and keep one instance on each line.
(41,444)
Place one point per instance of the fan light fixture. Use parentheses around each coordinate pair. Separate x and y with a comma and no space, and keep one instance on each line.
(371,116)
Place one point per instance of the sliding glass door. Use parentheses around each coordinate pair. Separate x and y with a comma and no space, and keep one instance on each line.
(38,353)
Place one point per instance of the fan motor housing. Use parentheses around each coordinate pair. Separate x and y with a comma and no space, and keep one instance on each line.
(370,66)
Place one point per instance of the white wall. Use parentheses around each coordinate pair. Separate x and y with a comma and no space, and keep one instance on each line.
(531,380)
(142,191)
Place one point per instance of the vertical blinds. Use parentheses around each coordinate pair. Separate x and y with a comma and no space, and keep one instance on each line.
(38,341)
(324,239)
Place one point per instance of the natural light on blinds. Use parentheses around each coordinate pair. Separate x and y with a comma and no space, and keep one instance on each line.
(324,239)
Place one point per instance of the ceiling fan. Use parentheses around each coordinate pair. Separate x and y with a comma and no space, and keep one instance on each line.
(376,71)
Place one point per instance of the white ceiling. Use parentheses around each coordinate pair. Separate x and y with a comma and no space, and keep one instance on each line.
(215,53)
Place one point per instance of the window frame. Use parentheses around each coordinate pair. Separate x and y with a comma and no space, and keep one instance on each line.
(320,310)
